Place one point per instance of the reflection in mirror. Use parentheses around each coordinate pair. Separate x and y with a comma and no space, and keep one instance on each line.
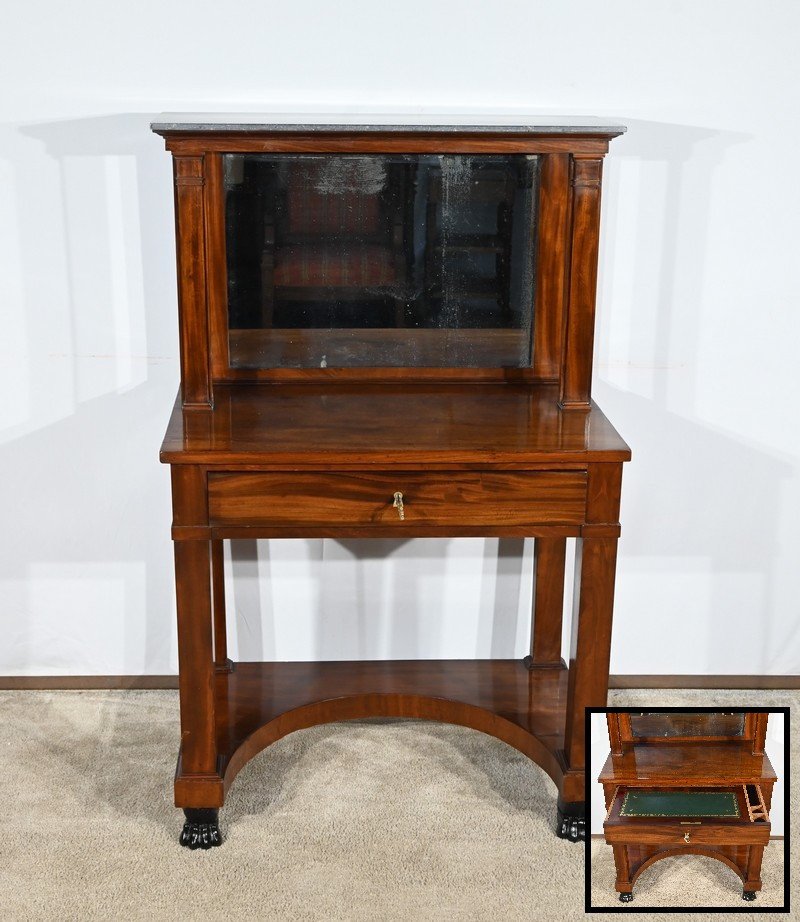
(671,724)
(380,260)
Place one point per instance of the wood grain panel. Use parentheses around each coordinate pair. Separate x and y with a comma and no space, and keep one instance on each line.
(672,834)
(195,655)
(191,256)
(695,763)
(576,379)
(433,425)
(593,604)
(549,555)
(190,144)
(550,298)
(216,267)
(258,703)
(435,499)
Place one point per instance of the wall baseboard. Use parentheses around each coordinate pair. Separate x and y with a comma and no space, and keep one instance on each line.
(598,836)
(761,682)
(85,682)
(67,682)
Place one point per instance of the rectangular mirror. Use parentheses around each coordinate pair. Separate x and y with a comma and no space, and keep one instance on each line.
(380,260)
(667,725)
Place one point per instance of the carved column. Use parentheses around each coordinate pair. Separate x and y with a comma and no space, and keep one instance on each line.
(593,603)
(576,378)
(195,638)
(548,601)
(192,304)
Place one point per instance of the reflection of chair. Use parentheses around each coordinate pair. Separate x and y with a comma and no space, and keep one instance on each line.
(335,234)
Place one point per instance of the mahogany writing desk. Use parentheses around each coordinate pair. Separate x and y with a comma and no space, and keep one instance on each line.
(387,333)
(687,784)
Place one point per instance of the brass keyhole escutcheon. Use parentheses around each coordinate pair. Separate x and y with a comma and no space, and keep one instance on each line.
(686,837)
(398,505)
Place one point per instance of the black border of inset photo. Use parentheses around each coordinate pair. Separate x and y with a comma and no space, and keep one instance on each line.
(784,774)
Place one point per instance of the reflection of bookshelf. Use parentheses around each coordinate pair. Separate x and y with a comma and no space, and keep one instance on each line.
(329,259)
(682,783)
(471,238)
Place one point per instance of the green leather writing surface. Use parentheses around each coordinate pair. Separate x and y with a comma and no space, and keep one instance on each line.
(679,803)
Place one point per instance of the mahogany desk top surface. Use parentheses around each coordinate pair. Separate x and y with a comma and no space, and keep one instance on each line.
(691,763)
(419,425)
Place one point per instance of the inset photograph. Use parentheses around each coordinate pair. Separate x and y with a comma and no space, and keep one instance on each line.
(701,787)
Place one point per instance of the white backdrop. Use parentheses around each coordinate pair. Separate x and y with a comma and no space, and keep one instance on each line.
(699,322)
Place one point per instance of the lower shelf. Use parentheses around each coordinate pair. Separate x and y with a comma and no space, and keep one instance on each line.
(258,703)
(633,860)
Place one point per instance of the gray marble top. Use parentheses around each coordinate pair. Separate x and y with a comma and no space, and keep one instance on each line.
(518,124)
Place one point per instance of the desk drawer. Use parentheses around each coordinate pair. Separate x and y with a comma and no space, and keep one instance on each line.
(732,815)
(428,498)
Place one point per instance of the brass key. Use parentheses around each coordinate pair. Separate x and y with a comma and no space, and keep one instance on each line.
(398,504)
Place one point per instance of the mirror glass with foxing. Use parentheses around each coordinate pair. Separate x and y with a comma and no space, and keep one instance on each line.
(380,260)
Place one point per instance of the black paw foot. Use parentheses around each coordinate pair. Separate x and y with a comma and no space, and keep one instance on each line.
(201,829)
(626,897)
(749,895)
(572,828)
(571,823)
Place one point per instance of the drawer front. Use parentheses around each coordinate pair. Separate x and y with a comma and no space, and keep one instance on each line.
(705,833)
(428,499)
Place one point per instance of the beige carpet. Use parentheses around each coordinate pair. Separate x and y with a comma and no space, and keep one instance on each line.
(363,821)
